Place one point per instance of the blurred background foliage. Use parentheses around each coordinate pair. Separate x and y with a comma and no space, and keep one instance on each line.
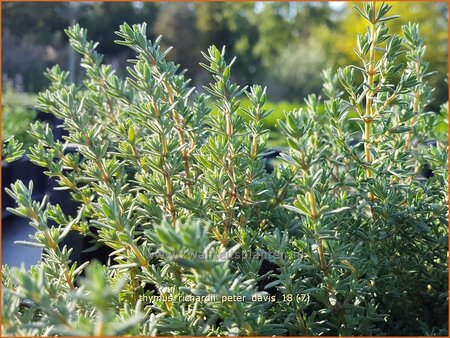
(17,114)
(281,45)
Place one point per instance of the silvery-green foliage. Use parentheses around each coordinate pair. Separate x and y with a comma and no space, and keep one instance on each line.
(345,237)
(11,150)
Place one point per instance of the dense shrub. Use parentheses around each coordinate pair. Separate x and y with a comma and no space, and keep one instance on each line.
(345,237)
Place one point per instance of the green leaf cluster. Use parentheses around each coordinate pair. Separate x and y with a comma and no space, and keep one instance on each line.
(345,237)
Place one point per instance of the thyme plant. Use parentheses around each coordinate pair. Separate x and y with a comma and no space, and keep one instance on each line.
(12,150)
(345,237)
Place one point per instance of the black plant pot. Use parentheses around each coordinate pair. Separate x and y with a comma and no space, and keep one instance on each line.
(15,228)
(25,171)
(270,156)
